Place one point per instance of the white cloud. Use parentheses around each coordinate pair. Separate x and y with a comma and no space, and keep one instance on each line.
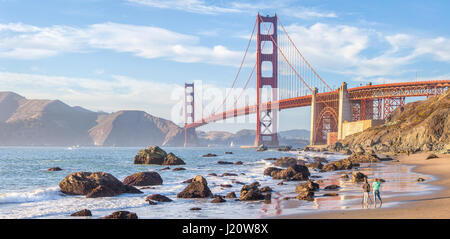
(23,41)
(195,6)
(343,49)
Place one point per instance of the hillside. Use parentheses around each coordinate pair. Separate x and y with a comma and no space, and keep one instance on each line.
(418,126)
(25,122)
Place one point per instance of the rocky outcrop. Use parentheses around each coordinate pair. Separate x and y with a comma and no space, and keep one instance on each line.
(315,165)
(218,200)
(261,148)
(198,188)
(251,192)
(284,148)
(270,171)
(54,169)
(308,186)
(287,161)
(155,155)
(82,213)
(418,126)
(231,195)
(343,164)
(292,173)
(158,198)
(358,177)
(121,215)
(143,179)
(209,155)
(306,195)
(97,184)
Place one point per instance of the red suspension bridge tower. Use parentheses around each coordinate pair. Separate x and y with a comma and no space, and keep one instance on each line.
(266,117)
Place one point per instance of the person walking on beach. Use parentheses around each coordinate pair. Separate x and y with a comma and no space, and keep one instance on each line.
(366,192)
(376,191)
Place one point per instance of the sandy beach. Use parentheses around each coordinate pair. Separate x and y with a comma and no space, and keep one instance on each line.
(436,205)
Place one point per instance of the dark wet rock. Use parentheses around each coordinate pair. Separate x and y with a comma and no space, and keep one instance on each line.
(97,184)
(158,198)
(231,195)
(331,194)
(122,215)
(228,152)
(287,198)
(287,161)
(195,209)
(420,179)
(293,173)
(178,169)
(150,202)
(209,155)
(155,155)
(239,163)
(82,213)
(238,182)
(315,176)
(344,176)
(343,164)
(315,165)
(251,192)
(228,175)
(54,169)
(270,159)
(358,177)
(166,168)
(308,186)
(280,183)
(332,187)
(218,200)
(266,189)
(431,156)
(143,179)
(224,162)
(271,170)
(212,174)
(198,188)
(306,195)
(226,185)
(285,148)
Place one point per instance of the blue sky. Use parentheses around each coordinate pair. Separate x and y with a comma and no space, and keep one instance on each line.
(136,54)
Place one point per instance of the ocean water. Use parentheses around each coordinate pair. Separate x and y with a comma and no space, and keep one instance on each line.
(28,190)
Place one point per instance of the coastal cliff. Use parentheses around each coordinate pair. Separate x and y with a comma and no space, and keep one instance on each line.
(418,126)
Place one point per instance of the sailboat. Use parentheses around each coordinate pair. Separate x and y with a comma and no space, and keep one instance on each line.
(231,144)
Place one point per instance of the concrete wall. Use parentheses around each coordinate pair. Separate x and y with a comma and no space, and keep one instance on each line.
(349,128)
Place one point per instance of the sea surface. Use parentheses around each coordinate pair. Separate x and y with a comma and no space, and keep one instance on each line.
(28,190)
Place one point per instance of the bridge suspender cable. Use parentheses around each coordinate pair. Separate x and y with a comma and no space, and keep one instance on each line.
(307,63)
(239,70)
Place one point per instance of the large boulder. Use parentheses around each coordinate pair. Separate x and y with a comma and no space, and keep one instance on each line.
(343,164)
(287,161)
(82,213)
(158,198)
(98,184)
(306,195)
(122,215)
(251,192)
(368,157)
(293,173)
(308,186)
(155,155)
(358,177)
(271,170)
(143,179)
(198,188)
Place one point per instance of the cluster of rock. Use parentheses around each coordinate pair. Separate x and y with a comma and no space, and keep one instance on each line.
(292,173)
(306,190)
(155,155)
(252,192)
(98,184)
(353,161)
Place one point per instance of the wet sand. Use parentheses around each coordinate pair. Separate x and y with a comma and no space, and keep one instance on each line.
(435,205)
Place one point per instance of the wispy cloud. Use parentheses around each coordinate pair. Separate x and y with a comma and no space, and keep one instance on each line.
(203,7)
(23,41)
(194,6)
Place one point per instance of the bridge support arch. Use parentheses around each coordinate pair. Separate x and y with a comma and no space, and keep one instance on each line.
(190,137)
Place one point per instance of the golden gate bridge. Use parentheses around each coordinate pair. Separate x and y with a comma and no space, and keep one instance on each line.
(290,82)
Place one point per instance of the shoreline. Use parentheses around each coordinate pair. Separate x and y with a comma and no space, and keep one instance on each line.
(434,205)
